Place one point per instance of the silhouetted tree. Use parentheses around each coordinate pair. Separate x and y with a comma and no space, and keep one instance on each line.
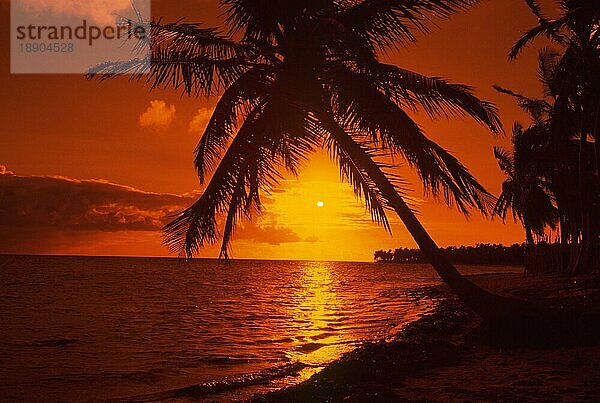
(525,191)
(305,74)
(572,80)
(479,254)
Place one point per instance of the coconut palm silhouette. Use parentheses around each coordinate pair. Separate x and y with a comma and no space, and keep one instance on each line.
(571,79)
(292,77)
(526,191)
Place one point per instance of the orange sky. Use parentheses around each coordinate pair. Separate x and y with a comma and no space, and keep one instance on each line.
(119,133)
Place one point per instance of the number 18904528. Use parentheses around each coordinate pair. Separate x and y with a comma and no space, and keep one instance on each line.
(53,47)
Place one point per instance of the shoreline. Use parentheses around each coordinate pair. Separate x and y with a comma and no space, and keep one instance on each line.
(437,359)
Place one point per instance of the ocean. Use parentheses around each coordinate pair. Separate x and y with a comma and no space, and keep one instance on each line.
(99,328)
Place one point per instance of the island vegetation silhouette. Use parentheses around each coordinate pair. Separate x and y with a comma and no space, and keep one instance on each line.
(487,254)
(291,78)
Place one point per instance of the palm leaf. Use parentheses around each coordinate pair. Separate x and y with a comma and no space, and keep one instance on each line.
(361,108)
(268,139)
(548,28)
(389,23)
(537,108)
(235,103)
(183,56)
(363,186)
(435,95)
(197,226)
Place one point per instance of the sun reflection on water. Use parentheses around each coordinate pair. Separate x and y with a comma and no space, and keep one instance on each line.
(318,314)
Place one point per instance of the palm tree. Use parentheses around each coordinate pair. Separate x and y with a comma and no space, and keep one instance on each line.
(542,162)
(525,192)
(575,112)
(530,168)
(303,75)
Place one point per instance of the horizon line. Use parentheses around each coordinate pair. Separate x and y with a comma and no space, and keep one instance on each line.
(2,254)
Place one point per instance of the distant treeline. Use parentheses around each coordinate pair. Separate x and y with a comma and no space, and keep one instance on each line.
(478,254)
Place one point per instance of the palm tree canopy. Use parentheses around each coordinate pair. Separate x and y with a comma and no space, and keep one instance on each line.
(570,118)
(526,191)
(577,25)
(574,81)
(281,69)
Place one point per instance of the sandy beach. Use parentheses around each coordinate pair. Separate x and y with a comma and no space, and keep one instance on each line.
(439,358)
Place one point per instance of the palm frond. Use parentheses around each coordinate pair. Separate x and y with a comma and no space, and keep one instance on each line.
(363,186)
(236,102)
(194,75)
(233,188)
(255,17)
(548,62)
(535,9)
(505,201)
(363,109)
(274,134)
(356,173)
(389,23)
(183,56)
(193,38)
(505,161)
(266,19)
(536,108)
(547,28)
(234,214)
(435,95)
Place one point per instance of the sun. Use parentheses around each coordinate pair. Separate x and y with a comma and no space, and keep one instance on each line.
(320,204)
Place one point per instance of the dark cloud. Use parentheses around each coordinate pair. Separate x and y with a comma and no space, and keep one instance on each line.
(41,213)
(312,239)
(56,202)
(271,234)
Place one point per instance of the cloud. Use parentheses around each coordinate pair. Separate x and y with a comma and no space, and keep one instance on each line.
(271,234)
(312,239)
(4,170)
(200,120)
(99,11)
(49,214)
(158,115)
(265,229)
(57,202)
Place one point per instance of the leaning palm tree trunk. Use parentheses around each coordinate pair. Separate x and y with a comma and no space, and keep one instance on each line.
(487,305)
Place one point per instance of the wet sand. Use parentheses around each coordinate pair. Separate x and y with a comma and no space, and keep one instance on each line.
(438,359)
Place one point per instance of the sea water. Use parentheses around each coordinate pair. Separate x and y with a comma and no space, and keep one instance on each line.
(99,328)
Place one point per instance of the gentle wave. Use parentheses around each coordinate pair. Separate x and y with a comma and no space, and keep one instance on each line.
(211,388)
(53,343)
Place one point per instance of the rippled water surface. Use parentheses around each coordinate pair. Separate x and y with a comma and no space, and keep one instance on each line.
(102,328)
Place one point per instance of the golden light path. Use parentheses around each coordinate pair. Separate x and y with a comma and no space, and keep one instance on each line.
(318,310)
